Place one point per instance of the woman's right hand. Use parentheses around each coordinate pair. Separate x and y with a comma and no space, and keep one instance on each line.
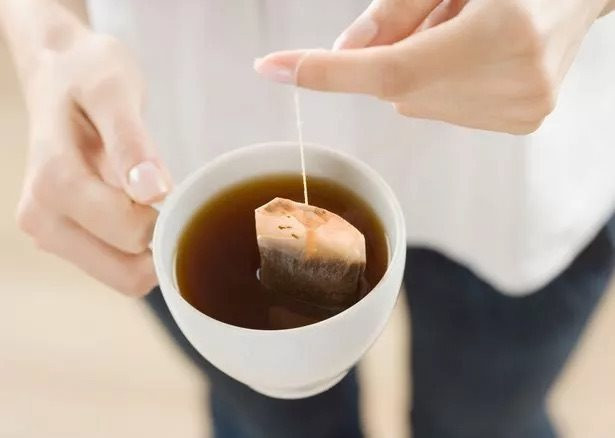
(92,171)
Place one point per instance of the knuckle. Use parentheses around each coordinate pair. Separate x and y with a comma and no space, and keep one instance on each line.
(392,78)
(111,71)
(518,30)
(51,176)
(522,28)
(102,86)
(532,43)
(65,178)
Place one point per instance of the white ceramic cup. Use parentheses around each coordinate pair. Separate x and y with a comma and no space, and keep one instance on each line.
(291,363)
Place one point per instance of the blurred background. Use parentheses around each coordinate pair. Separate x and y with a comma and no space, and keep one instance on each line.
(78,359)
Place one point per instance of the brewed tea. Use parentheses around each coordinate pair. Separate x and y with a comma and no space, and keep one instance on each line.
(217,258)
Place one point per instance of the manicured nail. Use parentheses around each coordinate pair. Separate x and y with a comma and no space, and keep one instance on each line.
(274,72)
(358,35)
(147,183)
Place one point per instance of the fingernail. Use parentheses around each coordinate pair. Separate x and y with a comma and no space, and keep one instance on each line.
(358,35)
(147,183)
(274,72)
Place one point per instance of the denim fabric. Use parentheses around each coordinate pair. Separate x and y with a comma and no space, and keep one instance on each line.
(482,362)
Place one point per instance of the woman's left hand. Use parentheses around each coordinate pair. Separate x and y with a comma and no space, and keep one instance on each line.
(488,64)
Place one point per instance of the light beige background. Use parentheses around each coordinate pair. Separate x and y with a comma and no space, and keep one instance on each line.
(79,360)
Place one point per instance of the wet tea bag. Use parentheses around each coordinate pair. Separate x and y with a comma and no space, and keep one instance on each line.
(309,253)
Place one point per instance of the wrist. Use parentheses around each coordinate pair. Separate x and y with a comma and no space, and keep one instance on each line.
(36,28)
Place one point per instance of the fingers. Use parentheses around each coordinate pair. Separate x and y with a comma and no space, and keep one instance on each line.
(499,110)
(130,150)
(90,157)
(384,71)
(385,22)
(112,102)
(443,12)
(110,215)
(130,274)
(65,186)
(358,71)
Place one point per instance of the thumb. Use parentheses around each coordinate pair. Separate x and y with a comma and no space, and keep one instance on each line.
(385,22)
(133,156)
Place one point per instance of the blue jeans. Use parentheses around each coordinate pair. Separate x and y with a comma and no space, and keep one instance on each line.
(482,362)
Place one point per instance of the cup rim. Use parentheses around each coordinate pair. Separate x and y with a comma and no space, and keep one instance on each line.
(165,278)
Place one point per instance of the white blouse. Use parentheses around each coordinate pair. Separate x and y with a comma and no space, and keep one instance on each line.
(514,209)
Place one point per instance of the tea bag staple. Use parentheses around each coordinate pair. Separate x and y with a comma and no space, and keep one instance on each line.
(309,253)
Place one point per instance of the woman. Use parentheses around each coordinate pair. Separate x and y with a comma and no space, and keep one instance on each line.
(508,250)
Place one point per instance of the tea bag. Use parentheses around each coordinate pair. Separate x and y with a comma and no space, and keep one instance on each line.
(309,253)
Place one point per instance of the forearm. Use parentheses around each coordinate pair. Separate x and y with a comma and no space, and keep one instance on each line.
(32,27)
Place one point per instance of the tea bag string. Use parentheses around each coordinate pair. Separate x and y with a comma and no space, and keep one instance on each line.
(300,126)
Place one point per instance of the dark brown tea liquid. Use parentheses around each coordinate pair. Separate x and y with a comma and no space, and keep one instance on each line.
(217,255)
